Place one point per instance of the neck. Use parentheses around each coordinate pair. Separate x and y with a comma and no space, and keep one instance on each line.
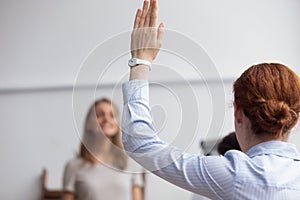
(245,135)
(254,139)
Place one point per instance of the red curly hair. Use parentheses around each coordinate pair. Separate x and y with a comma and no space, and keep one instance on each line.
(269,94)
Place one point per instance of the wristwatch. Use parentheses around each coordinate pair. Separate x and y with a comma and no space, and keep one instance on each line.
(135,61)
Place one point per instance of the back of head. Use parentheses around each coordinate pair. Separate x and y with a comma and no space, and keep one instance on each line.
(269,94)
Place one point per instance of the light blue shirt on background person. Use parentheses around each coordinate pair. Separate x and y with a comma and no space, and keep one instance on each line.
(269,170)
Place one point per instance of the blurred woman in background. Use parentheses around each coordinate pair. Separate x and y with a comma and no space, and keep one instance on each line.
(99,172)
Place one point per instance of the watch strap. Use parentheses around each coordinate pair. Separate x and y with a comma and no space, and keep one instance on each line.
(136,61)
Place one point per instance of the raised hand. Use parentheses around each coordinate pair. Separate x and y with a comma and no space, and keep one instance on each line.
(146,39)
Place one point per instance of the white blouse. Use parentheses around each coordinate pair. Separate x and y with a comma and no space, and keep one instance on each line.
(99,181)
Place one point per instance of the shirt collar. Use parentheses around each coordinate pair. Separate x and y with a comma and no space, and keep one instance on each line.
(279,148)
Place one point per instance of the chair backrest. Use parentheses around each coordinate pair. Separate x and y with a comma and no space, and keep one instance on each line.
(45,192)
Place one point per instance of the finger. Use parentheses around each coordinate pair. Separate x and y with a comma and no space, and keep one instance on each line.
(137,19)
(160,33)
(144,13)
(148,17)
(154,13)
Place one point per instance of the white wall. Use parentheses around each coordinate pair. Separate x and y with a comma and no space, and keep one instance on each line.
(39,130)
(44,44)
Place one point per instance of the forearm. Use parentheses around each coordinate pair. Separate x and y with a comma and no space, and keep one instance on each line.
(142,144)
(139,72)
(195,173)
(137,193)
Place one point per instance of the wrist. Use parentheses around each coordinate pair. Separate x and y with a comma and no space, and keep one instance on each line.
(139,72)
(133,62)
(142,56)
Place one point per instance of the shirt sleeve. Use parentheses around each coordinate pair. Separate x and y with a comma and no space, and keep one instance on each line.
(211,176)
(69,177)
(138,179)
(137,173)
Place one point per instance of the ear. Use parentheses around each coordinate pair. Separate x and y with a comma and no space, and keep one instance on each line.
(238,113)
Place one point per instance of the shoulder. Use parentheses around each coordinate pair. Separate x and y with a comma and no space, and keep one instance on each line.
(74,164)
(238,159)
(137,173)
(235,154)
(70,174)
(133,166)
(229,164)
(75,161)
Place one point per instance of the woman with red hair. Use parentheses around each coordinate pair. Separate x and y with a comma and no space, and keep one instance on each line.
(266,108)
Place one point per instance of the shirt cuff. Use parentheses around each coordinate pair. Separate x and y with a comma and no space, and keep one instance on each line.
(135,89)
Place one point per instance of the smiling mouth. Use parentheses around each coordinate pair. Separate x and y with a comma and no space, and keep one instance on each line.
(107,126)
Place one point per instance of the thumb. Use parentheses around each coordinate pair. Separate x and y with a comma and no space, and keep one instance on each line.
(160,32)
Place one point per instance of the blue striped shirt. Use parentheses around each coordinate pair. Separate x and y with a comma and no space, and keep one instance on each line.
(269,170)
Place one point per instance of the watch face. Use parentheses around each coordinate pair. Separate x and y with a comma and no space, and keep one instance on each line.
(132,62)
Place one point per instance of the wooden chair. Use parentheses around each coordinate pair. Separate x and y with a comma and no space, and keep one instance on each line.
(45,192)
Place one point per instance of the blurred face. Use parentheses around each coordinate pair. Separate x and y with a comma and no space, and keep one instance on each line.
(107,121)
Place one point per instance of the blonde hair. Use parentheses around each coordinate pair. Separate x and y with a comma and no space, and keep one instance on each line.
(91,127)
